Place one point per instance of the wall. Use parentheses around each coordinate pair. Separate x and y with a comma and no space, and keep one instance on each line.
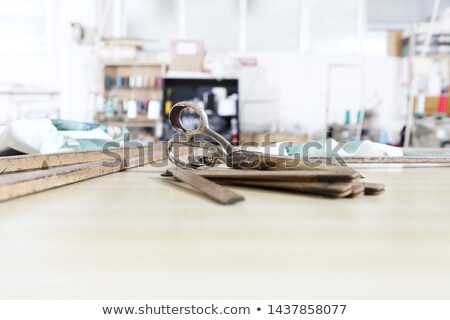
(291,89)
(75,63)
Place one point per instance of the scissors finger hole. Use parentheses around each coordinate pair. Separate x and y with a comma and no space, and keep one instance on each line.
(185,118)
(189,119)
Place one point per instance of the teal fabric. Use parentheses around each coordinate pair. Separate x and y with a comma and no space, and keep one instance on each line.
(349,147)
(422,153)
(65,125)
(117,133)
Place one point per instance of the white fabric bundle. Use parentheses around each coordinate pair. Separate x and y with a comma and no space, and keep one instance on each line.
(41,136)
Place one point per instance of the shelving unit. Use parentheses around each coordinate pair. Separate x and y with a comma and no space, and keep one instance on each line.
(429,67)
(127,87)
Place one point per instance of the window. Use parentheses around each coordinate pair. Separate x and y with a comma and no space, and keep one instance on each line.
(214,21)
(334,26)
(22,25)
(329,26)
(273,25)
(24,38)
(153,19)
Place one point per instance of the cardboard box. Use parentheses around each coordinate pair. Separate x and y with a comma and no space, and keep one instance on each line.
(394,43)
(187,55)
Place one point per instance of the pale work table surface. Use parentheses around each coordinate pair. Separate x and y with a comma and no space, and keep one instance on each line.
(135,235)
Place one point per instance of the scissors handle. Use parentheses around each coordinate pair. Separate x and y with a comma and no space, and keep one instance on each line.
(223,150)
(203,127)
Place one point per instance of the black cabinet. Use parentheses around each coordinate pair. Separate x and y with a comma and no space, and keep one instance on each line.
(209,93)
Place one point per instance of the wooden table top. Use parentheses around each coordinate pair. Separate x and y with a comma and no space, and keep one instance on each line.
(136,235)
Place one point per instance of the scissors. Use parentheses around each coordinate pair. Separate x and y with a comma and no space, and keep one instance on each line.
(219,150)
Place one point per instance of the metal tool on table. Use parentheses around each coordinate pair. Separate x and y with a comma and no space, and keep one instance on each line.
(203,138)
(337,182)
(221,152)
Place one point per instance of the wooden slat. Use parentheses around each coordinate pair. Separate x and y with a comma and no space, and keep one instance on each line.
(287,175)
(337,189)
(373,188)
(357,190)
(333,189)
(35,162)
(28,182)
(387,160)
(209,188)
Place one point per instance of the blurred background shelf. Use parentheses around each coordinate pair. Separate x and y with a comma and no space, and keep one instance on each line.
(127,89)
